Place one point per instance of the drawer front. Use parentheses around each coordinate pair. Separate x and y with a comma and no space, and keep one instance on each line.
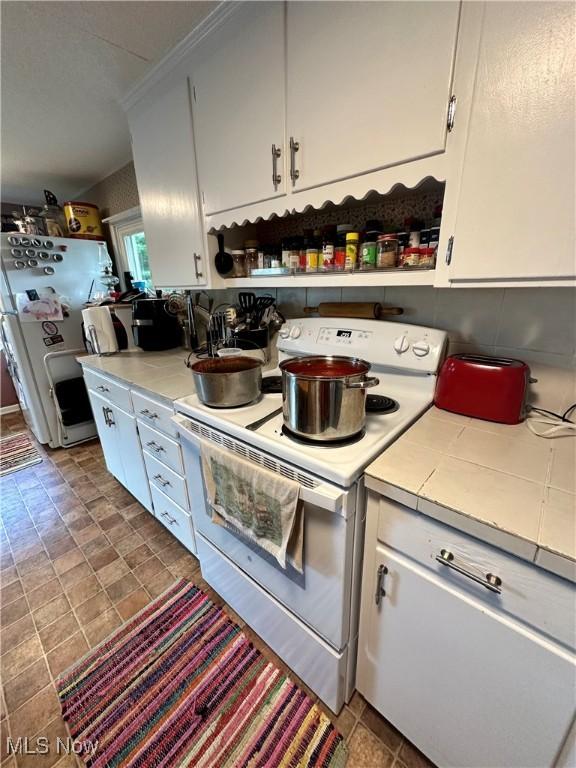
(164,478)
(153,413)
(111,390)
(161,447)
(174,518)
(527,593)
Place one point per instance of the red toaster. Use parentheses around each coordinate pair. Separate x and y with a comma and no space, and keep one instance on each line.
(489,388)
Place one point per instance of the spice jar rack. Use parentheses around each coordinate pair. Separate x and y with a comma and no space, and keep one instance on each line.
(363,242)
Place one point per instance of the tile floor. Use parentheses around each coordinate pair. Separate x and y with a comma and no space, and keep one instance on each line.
(79,555)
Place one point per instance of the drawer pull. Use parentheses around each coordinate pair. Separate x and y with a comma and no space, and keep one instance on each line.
(491,582)
(148,414)
(102,388)
(168,517)
(161,480)
(380,591)
(155,446)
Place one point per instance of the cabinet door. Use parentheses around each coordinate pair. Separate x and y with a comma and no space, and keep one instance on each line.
(239,108)
(135,478)
(164,159)
(515,212)
(108,434)
(368,84)
(466,685)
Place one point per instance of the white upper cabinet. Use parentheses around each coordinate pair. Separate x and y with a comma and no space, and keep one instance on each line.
(515,208)
(368,85)
(164,158)
(239,114)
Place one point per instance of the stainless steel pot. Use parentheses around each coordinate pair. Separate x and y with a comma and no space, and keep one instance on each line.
(227,382)
(324,397)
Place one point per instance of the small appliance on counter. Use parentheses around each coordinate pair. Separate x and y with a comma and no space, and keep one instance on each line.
(483,387)
(154,326)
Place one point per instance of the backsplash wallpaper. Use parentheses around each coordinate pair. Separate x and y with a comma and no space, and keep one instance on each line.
(114,194)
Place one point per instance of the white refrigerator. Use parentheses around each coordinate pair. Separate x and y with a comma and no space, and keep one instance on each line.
(45,283)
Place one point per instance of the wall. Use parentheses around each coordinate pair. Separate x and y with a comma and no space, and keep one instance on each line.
(535,324)
(114,194)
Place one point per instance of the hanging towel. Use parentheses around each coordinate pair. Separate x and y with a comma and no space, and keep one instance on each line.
(259,504)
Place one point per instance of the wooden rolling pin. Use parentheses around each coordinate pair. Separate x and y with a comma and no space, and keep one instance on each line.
(362,309)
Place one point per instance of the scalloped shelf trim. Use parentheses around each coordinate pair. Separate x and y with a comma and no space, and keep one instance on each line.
(346,198)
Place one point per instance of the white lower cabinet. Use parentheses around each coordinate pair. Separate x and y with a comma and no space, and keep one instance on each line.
(177,520)
(466,683)
(121,446)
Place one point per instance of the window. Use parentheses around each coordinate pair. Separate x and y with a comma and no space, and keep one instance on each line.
(130,248)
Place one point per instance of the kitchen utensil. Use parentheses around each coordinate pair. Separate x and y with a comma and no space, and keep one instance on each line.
(362,309)
(489,388)
(324,396)
(222,261)
(247,301)
(262,303)
(260,422)
(227,382)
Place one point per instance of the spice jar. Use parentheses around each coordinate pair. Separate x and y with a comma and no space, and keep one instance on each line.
(251,251)
(387,255)
(327,254)
(286,246)
(368,254)
(352,240)
(410,257)
(238,263)
(340,247)
(427,257)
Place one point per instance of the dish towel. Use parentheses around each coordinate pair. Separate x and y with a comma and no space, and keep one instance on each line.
(261,505)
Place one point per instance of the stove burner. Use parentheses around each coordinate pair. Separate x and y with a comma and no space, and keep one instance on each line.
(272,385)
(380,404)
(323,443)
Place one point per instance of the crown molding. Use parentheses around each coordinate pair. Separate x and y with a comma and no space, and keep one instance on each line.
(222,12)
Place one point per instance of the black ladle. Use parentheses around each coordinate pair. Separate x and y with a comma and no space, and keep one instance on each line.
(222,261)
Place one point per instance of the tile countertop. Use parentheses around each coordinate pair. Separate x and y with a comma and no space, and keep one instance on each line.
(159,373)
(499,483)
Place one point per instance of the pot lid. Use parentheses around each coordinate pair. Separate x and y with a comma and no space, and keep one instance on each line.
(325,367)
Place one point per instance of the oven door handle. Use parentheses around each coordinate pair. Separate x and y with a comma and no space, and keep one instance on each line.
(325,496)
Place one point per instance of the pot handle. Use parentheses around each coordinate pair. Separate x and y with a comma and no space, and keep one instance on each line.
(370,382)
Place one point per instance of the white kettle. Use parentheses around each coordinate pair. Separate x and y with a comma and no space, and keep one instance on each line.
(99,330)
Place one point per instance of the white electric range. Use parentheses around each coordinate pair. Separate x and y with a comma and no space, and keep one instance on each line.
(310,620)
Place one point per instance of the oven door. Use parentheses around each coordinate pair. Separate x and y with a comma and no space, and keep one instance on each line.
(321,595)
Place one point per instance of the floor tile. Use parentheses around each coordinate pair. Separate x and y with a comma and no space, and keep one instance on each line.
(119,589)
(129,543)
(158,582)
(23,655)
(36,713)
(86,534)
(133,603)
(38,576)
(119,531)
(27,684)
(42,595)
(345,722)
(137,556)
(149,568)
(173,552)
(357,704)
(68,561)
(112,572)
(103,558)
(412,757)
(29,565)
(60,630)
(366,751)
(75,575)
(81,591)
(384,730)
(93,607)
(102,626)
(16,633)
(60,546)
(13,611)
(51,611)
(10,592)
(186,568)
(54,730)
(67,653)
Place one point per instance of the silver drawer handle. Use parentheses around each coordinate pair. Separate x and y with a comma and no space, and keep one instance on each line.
(161,480)
(491,582)
(102,388)
(154,446)
(149,415)
(380,591)
(168,517)
(294,147)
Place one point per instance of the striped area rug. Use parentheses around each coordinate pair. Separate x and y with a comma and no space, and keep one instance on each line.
(17,452)
(180,685)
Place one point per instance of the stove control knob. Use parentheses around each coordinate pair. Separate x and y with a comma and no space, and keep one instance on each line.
(295,332)
(420,348)
(401,344)
(284,332)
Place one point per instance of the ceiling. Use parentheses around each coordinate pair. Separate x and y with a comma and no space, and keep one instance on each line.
(64,67)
